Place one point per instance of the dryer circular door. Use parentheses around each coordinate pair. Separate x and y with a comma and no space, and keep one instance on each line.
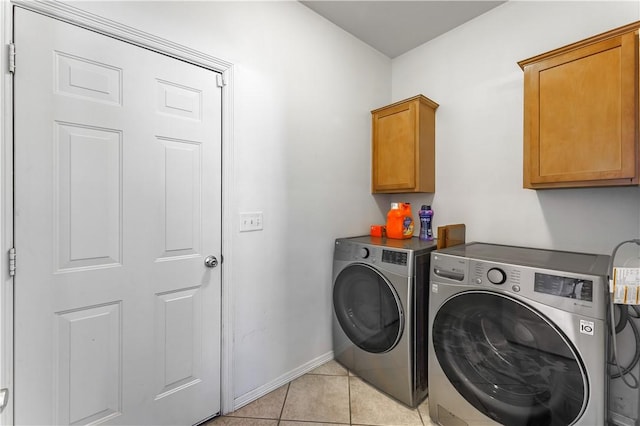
(368,308)
(508,360)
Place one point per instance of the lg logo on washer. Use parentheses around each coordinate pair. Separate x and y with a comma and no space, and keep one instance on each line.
(587,327)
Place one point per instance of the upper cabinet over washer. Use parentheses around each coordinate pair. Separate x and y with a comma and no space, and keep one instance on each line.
(581,113)
(403,146)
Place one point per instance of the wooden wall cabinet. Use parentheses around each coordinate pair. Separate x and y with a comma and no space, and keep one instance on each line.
(581,113)
(403,146)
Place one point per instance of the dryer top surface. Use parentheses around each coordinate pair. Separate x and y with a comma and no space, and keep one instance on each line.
(411,244)
(582,263)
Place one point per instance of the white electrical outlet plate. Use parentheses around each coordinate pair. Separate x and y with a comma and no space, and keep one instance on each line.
(250,221)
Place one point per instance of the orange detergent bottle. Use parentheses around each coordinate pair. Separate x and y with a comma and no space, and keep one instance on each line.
(400,221)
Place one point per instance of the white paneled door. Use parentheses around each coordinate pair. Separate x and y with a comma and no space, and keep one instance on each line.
(117,205)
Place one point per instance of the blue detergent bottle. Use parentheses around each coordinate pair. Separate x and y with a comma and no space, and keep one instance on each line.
(426,216)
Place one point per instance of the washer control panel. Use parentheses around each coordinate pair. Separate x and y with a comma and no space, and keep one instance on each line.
(498,275)
(563,289)
(571,291)
(508,276)
(570,287)
(364,253)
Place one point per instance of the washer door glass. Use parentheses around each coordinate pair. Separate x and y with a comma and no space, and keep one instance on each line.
(509,361)
(367,308)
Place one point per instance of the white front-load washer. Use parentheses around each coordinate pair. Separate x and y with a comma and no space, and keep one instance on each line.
(380,300)
(517,337)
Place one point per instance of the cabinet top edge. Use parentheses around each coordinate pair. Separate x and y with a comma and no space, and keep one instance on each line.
(421,98)
(634,26)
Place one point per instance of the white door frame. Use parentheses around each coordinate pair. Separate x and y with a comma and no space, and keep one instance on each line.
(73,15)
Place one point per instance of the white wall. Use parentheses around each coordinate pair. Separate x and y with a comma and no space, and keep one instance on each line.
(472,73)
(303,92)
(301,147)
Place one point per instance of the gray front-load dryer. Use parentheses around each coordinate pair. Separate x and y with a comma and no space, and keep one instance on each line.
(380,300)
(518,337)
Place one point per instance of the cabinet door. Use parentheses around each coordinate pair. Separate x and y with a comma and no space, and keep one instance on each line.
(581,115)
(394,148)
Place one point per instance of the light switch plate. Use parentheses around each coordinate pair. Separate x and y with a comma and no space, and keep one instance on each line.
(250,221)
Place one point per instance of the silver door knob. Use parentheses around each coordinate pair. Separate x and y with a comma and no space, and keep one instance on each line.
(210,262)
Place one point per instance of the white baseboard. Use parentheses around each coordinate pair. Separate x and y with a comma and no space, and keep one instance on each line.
(257,393)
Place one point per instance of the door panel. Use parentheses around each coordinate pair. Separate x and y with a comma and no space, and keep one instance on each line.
(87,166)
(181,198)
(88,367)
(117,203)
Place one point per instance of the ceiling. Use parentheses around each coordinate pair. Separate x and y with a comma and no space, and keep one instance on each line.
(395,27)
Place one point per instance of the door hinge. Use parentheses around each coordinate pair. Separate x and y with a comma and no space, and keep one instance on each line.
(12,261)
(12,58)
(4,398)
(220,80)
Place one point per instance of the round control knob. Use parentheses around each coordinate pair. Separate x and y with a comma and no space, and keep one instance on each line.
(364,252)
(496,276)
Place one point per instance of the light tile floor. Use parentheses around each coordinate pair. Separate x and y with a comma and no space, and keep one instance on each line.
(327,396)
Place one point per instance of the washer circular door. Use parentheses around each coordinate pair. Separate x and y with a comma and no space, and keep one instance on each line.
(509,361)
(368,308)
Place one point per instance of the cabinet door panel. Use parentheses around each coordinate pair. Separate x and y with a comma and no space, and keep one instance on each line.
(579,109)
(403,146)
(581,115)
(394,153)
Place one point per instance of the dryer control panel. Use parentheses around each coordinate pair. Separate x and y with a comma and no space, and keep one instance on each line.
(395,257)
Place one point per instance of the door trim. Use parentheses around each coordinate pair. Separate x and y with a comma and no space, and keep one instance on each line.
(81,18)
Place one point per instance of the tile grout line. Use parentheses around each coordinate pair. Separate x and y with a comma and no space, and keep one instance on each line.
(419,413)
(284,402)
(316,374)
